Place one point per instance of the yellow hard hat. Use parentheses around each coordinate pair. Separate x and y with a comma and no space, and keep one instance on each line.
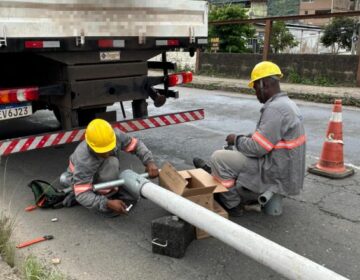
(100,136)
(264,69)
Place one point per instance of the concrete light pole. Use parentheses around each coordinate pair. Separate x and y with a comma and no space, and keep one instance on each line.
(264,251)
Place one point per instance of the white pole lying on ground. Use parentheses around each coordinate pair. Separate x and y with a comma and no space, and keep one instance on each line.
(115,183)
(262,250)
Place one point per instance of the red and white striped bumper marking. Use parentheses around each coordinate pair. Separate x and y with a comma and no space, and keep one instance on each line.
(28,143)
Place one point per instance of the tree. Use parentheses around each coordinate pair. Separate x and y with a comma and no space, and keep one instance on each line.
(338,33)
(233,37)
(281,38)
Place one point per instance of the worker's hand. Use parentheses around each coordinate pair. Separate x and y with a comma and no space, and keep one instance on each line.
(152,169)
(117,206)
(230,139)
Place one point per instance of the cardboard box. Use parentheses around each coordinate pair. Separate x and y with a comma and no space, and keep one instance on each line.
(201,234)
(196,184)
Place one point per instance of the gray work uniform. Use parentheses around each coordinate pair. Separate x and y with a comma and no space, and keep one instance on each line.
(87,168)
(272,158)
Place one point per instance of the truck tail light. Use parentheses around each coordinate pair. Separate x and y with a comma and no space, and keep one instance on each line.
(108,43)
(180,78)
(170,42)
(18,95)
(42,44)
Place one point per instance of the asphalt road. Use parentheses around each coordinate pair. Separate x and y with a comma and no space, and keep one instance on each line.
(321,224)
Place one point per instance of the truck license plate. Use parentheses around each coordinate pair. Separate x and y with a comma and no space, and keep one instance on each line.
(109,56)
(15,111)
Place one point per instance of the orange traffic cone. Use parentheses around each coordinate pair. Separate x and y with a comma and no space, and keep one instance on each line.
(331,163)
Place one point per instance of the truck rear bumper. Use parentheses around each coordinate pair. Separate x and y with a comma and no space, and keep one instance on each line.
(12,146)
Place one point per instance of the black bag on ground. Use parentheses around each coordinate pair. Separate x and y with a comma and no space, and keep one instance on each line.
(46,196)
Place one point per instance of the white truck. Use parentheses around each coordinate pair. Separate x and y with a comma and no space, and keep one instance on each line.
(76,57)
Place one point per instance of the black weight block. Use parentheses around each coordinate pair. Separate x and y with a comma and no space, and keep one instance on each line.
(171,236)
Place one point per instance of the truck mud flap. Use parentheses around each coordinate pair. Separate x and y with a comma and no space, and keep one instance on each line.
(33,142)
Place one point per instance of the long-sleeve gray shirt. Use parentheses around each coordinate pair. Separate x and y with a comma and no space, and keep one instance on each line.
(84,165)
(276,150)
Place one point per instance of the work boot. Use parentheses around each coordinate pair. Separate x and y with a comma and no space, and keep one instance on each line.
(219,201)
(200,163)
(236,211)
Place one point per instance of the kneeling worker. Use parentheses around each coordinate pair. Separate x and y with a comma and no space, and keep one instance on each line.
(273,157)
(96,159)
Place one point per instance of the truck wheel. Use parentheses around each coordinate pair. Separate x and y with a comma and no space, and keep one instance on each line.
(63,117)
(57,114)
(87,115)
(139,108)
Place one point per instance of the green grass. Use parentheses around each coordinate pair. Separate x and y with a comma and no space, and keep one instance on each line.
(35,270)
(7,249)
(319,80)
(292,77)
(180,68)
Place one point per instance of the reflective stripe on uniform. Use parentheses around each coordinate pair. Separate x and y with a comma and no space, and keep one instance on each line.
(78,189)
(283,144)
(107,191)
(226,183)
(291,144)
(71,167)
(132,146)
(262,141)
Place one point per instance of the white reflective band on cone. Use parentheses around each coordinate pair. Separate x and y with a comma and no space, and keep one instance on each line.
(336,117)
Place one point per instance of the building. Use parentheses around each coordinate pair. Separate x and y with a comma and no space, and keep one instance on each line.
(307,36)
(263,8)
(258,9)
(244,3)
(309,7)
(283,7)
(307,32)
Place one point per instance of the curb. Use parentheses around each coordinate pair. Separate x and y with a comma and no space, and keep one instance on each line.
(312,97)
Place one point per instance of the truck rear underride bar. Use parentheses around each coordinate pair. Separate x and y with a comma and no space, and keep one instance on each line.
(23,144)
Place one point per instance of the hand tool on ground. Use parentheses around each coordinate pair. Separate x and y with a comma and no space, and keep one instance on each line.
(30,208)
(36,240)
(129,207)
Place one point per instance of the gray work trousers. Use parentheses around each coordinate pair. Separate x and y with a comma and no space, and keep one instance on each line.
(227,165)
(108,171)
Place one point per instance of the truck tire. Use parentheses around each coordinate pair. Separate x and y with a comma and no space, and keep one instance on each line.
(139,108)
(87,115)
(57,114)
(84,116)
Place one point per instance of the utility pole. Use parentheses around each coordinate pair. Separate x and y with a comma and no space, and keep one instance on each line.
(358,70)
(356,29)
(268,27)
(354,38)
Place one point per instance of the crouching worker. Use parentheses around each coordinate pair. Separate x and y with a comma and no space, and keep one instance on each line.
(272,158)
(96,160)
